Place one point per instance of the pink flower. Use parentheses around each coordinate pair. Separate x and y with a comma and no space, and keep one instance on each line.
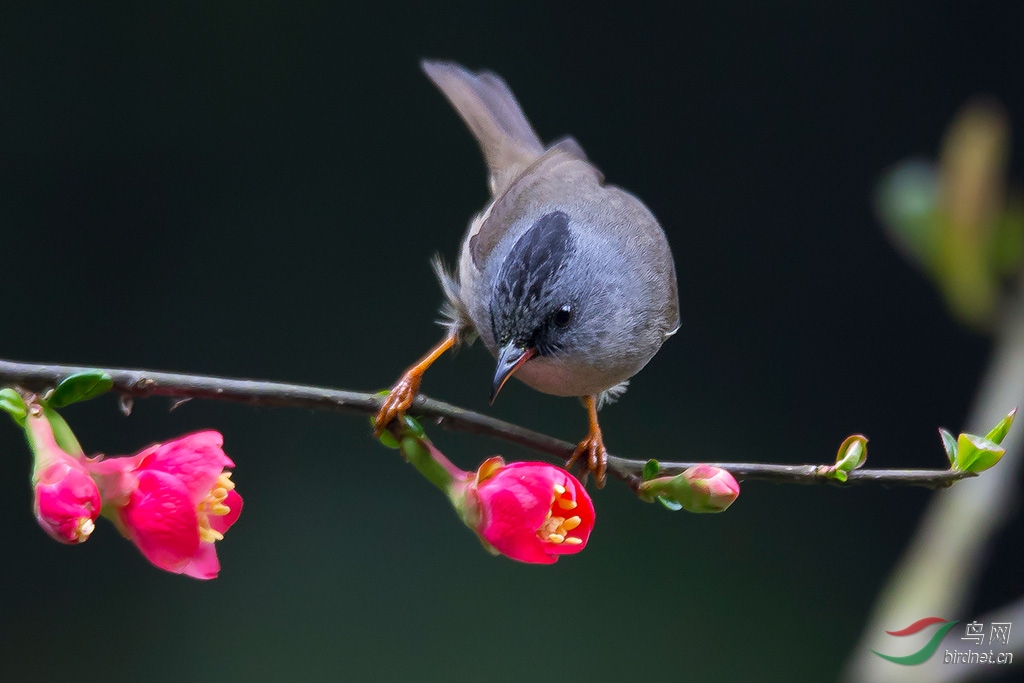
(529,511)
(66,500)
(173,501)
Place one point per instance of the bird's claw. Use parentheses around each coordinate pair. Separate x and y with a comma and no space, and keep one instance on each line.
(593,457)
(403,392)
(398,400)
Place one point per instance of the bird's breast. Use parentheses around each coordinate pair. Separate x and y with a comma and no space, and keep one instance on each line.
(560,378)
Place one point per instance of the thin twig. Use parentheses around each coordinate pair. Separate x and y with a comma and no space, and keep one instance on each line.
(146,383)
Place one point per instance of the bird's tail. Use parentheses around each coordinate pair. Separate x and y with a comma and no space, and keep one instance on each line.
(493,115)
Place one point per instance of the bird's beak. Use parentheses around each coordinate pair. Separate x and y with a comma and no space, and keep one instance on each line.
(510,359)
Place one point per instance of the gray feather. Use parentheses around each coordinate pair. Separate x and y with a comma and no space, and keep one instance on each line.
(557,174)
(455,317)
(493,115)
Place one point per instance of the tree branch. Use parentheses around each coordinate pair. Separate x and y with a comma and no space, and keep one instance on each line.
(147,383)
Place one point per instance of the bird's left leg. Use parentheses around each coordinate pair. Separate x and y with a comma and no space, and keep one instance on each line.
(592,446)
(403,391)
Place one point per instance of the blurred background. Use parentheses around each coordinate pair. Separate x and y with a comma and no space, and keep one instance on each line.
(255,189)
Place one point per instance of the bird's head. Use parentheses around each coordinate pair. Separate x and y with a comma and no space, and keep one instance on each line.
(538,298)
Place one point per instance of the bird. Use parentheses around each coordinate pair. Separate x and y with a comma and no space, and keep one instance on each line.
(569,282)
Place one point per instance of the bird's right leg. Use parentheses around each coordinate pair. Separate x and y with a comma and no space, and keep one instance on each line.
(591,447)
(402,393)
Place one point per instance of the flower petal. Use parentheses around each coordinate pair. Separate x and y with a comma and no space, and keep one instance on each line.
(512,504)
(115,477)
(161,520)
(204,564)
(103,466)
(196,459)
(512,533)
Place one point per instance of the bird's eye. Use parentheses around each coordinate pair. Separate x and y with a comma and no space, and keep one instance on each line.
(563,316)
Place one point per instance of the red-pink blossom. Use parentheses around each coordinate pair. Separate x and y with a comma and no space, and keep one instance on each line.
(529,511)
(173,500)
(66,500)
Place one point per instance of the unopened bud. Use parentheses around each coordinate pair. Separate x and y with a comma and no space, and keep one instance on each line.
(66,500)
(702,488)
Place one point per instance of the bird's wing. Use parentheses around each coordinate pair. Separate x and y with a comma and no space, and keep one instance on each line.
(493,115)
(556,177)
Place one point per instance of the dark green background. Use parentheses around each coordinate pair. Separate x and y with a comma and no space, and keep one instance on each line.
(254,189)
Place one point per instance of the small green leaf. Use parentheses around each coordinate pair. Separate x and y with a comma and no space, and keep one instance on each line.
(998,432)
(949,444)
(80,387)
(651,470)
(12,404)
(414,427)
(976,453)
(670,503)
(852,454)
(386,438)
(838,474)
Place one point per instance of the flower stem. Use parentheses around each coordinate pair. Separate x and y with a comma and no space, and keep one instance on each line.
(422,455)
(62,433)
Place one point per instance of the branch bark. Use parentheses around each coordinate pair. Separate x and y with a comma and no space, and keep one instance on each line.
(148,383)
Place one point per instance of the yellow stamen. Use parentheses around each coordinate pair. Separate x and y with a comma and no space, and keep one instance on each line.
(550,526)
(84,529)
(555,529)
(213,504)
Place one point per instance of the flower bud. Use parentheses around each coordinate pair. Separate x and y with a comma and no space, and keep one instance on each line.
(713,488)
(702,488)
(66,500)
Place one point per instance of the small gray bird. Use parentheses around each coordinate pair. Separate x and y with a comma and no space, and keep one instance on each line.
(569,282)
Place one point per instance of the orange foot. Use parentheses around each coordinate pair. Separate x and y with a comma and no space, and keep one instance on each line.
(591,448)
(405,389)
(398,400)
